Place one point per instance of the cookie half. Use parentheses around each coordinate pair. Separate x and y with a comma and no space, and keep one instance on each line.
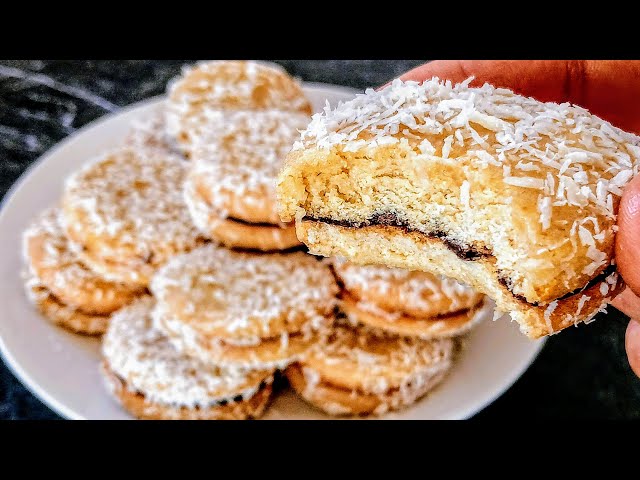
(515,197)
(152,380)
(356,372)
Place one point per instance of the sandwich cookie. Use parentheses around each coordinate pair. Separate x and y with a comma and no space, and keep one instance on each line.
(406,303)
(152,380)
(242,310)
(61,286)
(354,371)
(125,213)
(230,190)
(210,87)
(515,197)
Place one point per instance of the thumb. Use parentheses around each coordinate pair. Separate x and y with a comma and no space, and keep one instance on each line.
(628,237)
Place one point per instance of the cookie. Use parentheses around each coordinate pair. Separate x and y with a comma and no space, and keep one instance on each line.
(210,87)
(441,326)
(125,213)
(236,233)
(60,314)
(50,259)
(515,197)
(243,310)
(355,372)
(408,293)
(152,380)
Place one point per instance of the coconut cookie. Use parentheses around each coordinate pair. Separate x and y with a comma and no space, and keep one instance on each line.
(515,197)
(210,87)
(355,372)
(61,314)
(125,213)
(242,310)
(152,380)
(230,189)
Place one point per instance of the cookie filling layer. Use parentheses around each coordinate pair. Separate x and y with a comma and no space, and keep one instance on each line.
(464,252)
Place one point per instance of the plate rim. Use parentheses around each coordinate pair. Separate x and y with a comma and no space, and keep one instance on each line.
(66,412)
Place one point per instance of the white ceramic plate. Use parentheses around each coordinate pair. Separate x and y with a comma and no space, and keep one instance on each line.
(61,368)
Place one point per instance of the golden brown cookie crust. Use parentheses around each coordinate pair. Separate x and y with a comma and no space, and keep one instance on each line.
(410,250)
(448,325)
(137,405)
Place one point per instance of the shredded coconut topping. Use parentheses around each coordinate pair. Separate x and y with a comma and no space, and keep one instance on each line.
(150,365)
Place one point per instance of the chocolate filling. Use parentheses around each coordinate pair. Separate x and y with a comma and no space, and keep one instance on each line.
(255,224)
(464,252)
(389,219)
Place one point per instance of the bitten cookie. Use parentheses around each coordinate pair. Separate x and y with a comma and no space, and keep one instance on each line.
(125,213)
(243,310)
(152,380)
(354,372)
(210,87)
(230,189)
(515,197)
(61,286)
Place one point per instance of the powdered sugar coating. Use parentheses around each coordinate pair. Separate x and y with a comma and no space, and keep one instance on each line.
(407,291)
(149,364)
(238,163)
(127,205)
(235,295)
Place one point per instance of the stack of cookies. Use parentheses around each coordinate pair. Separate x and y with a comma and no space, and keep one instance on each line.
(171,246)
(396,340)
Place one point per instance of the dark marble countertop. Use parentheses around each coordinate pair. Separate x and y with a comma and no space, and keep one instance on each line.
(582,373)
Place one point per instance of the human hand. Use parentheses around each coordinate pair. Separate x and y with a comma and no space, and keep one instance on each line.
(609,89)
